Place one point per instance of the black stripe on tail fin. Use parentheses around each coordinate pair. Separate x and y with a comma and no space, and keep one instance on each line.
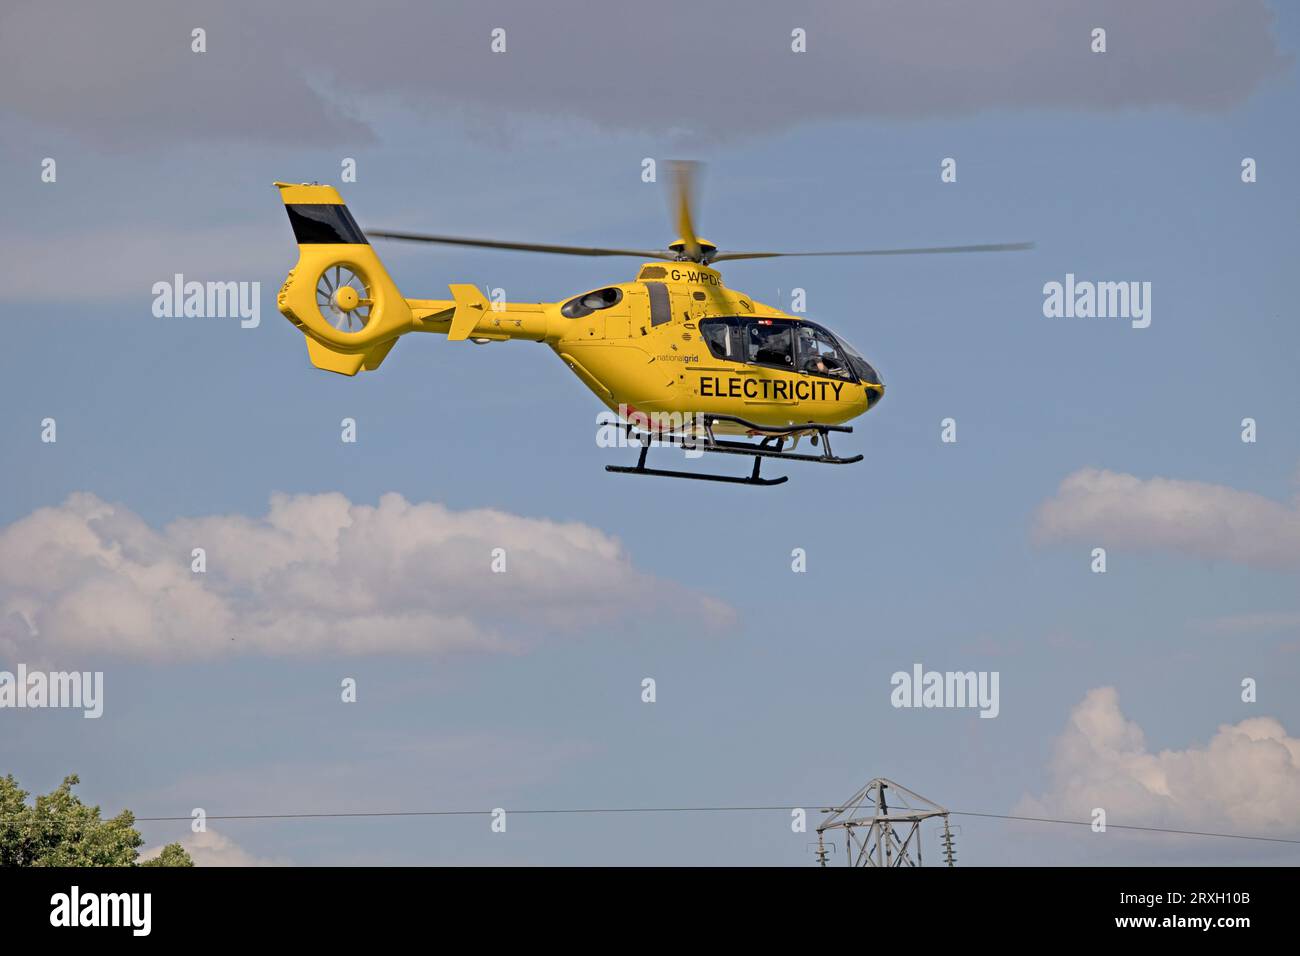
(324,224)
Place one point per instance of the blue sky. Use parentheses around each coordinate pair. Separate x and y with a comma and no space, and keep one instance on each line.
(927,552)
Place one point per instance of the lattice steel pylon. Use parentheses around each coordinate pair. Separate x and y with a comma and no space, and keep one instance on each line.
(882,826)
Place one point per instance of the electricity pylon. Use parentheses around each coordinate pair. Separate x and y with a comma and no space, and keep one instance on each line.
(882,826)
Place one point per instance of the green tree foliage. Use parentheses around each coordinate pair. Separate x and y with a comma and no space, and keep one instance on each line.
(59,830)
(173,854)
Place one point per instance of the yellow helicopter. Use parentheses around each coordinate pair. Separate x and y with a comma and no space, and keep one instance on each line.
(678,356)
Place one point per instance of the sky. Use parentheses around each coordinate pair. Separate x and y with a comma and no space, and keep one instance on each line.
(523,690)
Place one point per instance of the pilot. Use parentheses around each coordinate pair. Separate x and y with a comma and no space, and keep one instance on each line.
(822,363)
(814,362)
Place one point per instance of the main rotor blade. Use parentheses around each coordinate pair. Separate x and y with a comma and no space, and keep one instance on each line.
(926,250)
(517,246)
(685,174)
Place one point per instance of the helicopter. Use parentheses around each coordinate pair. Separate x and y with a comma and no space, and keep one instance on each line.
(677,355)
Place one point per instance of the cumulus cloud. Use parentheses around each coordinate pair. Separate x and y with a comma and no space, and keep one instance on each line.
(1194,518)
(82,66)
(317,573)
(214,849)
(1247,777)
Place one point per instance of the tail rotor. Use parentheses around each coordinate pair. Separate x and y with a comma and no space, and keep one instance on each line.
(344,299)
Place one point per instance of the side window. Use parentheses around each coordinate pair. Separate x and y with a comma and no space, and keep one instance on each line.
(769,342)
(820,354)
(722,338)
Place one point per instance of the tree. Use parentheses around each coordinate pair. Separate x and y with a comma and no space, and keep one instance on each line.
(173,854)
(59,830)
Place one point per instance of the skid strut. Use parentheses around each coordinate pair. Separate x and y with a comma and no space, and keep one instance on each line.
(772,445)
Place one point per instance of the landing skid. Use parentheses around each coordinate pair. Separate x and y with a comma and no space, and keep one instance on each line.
(772,446)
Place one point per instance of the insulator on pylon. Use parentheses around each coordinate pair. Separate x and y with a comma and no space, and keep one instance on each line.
(949,852)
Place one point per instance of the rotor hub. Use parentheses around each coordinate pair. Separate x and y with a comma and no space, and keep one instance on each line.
(707,250)
(345,298)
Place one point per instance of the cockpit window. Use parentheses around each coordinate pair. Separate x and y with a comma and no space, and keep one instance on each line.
(769,342)
(861,367)
(722,337)
(783,343)
(820,354)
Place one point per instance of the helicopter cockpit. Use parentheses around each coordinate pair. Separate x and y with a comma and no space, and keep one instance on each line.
(796,346)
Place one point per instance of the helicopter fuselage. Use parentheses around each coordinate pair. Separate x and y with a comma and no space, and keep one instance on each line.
(675,341)
(660,344)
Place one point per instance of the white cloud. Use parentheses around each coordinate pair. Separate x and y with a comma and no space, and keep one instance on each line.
(1111,509)
(215,849)
(1246,779)
(316,574)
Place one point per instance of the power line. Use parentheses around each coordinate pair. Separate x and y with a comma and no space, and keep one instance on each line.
(1122,826)
(349,814)
(361,814)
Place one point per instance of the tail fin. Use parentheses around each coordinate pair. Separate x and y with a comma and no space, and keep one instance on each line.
(339,294)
